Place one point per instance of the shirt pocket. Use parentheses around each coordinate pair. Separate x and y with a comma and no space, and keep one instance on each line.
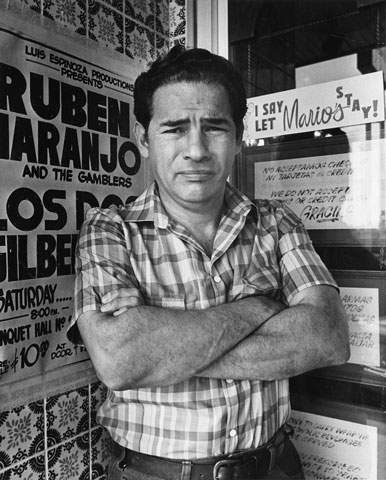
(256,279)
(261,280)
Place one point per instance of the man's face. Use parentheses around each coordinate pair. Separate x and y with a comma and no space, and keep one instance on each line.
(191,144)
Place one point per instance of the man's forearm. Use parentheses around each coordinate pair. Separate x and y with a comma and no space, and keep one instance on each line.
(149,346)
(298,339)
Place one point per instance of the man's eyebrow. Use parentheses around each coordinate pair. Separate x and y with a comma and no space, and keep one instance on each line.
(217,120)
(174,123)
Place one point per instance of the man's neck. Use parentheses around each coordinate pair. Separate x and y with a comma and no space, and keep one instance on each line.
(204,232)
(201,221)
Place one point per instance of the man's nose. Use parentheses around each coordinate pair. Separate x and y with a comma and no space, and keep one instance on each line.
(196,146)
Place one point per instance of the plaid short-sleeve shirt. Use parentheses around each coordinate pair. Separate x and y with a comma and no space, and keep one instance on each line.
(261,248)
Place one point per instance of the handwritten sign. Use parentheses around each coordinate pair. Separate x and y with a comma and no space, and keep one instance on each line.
(333,449)
(362,309)
(332,191)
(66,145)
(352,101)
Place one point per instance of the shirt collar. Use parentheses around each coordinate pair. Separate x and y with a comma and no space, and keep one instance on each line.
(236,202)
(146,208)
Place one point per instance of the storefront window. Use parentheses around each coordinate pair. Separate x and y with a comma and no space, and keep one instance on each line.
(315,138)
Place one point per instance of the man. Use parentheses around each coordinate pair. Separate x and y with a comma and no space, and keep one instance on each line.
(196,304)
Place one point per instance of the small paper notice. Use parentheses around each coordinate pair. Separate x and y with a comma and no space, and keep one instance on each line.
(362,308)
(333,449)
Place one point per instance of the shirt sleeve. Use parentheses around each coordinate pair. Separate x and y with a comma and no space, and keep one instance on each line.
(300,265)
(102,263)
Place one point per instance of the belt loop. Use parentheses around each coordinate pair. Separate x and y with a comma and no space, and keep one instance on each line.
(125,461)
(186,470)
(289,430)
(272,461)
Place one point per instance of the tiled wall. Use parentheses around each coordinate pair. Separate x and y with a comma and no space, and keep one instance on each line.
(138,29)
(57,438)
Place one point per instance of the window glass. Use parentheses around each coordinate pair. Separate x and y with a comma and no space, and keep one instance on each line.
(332,175)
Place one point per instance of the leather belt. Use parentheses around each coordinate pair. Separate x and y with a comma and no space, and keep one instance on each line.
(246,464)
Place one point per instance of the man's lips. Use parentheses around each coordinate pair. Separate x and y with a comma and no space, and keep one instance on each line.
(192,174)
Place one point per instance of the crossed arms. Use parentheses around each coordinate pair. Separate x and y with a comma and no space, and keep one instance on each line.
(133,345)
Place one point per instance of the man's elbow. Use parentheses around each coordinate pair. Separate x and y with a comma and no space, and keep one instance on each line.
(116,378)
(340,351)
(114,371)
(344,351)
(117,384)
(340,355)
(134,375)
(127,372)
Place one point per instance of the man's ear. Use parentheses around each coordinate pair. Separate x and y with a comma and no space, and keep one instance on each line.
(239,140)
(142,140)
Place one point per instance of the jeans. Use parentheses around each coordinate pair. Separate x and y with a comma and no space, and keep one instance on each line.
(289,461)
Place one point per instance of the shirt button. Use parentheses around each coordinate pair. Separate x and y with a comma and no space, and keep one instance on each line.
(232,433)
(229,380)
(217,279)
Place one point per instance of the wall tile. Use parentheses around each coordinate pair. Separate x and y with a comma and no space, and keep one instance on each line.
(117,4)
(141,10)
(162,17)
(129,28)
(35,5)
(24,7)
(22,432)
(106,27)
(140,43)
(177,18)
(98,396)
(68,13)
(33,469)
(53,456)
(71,462)
(100,451)
(68,415)
(161,45)
(177,41)
(5,462)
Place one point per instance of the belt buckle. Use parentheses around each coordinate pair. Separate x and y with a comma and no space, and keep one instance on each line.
(222,463)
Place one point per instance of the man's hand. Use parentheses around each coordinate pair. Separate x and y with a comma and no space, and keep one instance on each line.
(120,300)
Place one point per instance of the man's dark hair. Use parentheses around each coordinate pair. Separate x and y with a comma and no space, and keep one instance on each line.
(189,65)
